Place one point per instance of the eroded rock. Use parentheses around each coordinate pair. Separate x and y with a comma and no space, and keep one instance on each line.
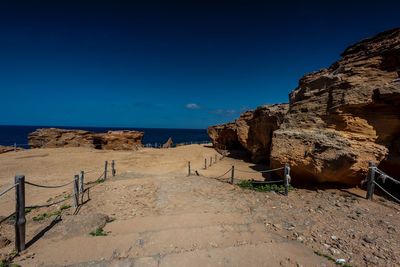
(252,131)
(114,140)
(342,117)
(339,119)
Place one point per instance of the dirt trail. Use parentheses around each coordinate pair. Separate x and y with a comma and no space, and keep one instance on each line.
(154,215)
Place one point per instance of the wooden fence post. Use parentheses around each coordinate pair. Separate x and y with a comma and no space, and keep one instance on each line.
(105,169)
(20,220)
(76,191)
(215,158)
(232,173)
(286,178)
(370,180)
(15,147)
(81,185)
(113,168)
(205,164)
(210,161)
(189,171)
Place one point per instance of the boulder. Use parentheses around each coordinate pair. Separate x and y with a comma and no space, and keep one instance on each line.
(338,119)
(252,131)
(168,144)
(116,140)
(345,116)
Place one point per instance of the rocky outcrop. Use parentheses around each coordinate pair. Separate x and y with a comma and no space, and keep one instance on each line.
(168,144)
(113,140)
(339,118)
(5,149)
(342,117)
(252,131)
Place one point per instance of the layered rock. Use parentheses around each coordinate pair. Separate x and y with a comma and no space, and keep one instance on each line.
(114,140)
(5,149)
(345,116)
(339,118)
(252,131)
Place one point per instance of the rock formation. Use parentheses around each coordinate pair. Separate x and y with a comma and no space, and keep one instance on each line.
(251,131)
(168,144)
(344,116)
(113,140)
(5,149)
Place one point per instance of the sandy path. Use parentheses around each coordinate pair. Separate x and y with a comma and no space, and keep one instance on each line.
(161,217)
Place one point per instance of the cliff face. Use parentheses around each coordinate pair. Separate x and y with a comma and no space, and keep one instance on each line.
(342,117)
(113,140)
(251,132)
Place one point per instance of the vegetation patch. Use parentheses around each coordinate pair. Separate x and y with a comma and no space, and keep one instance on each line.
(263,187)
(46,215)
(98,232)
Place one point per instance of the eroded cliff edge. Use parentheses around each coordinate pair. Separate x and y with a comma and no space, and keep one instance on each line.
(338,118)
(113,140)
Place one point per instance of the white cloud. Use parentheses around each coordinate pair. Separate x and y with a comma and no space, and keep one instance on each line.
(224,112)
(192,106)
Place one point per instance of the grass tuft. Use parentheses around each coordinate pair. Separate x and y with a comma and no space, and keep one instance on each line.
(98,232)
(263,188)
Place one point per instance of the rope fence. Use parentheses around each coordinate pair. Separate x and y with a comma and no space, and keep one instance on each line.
(286,174)
(80,187)
(372,182)
(8,189)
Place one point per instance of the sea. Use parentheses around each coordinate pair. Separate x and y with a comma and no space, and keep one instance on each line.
(10,135)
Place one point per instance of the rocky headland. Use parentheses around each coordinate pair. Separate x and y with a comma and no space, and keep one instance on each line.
(337,121)
(112,140)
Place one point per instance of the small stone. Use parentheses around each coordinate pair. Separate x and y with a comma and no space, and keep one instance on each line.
(334,251)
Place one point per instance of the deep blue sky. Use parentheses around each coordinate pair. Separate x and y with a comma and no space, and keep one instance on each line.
(184,64)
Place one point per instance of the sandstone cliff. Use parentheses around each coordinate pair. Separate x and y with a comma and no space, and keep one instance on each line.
(113,140)
(5,149)
(252,131)
(344,116)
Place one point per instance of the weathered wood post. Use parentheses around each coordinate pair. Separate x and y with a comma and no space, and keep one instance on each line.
(370,180)
(113,168)
(210,161)
(205,164)
(232,173)
(189,172)
(15,147)
(286,178)
(76,191)
(20,220)
(215,158)
(105,169)
(81,185)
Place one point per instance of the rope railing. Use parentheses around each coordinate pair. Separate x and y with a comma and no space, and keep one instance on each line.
(79,189)
(48,186)
(263,171)
(380,187)
(384,176)
(8,189)
(371,182)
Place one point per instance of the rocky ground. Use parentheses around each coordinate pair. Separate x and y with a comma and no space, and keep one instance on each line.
(152,214)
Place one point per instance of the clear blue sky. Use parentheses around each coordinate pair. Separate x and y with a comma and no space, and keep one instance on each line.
(178,64)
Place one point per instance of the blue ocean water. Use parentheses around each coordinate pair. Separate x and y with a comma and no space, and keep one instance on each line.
(19,134)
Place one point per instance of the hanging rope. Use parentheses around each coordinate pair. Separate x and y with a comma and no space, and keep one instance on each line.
(384,176)
(8,189)
(264,171)
(48,186)
(398,200)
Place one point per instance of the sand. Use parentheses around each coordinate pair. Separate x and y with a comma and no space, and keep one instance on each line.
(153,214)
